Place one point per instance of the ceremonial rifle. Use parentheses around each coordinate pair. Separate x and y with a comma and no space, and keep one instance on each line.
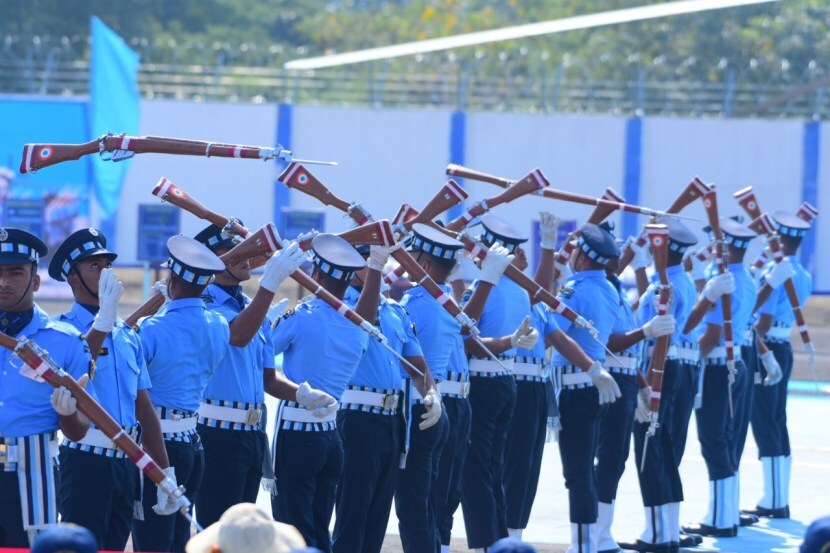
(762,224)
(710,202)
(467,173)
(694,190)
(658,236)
(300,178)
(112,147)
(806,212)
(39,365)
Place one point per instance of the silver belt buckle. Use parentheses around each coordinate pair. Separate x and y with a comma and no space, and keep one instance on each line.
(4,454)
(390,401)
(544,372)
(253,417)
(465,388)
(176,417)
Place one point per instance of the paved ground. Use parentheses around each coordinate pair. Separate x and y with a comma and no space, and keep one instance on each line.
(549,528)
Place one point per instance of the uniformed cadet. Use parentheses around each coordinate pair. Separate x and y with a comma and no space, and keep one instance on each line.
(99,484)
(322,348)
(372,424)
(31,412)
(586,389)
(230,423)
(660,484)
(500,306)
(182,344)
(614,438)
(443,346)
(528,427)
(769,408)
(716,426)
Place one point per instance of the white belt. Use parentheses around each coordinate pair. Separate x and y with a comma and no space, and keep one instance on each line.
(250,417)
(299,414)
(684,354)
(372,399)
(490,366)
(572,379)
(456,388)
(720,353)
(622,362)
(529,369)
(95,438)
(779,332)
(175,426)
(8,452)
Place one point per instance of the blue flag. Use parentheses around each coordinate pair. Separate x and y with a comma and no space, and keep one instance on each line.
(114,107)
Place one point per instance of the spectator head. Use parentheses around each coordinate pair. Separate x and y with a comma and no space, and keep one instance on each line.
(245,528)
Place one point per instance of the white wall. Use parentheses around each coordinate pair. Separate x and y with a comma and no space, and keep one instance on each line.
(388,157)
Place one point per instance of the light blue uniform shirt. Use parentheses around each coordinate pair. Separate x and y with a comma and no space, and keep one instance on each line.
(438,332)
(507,305)
(778,305)
(238,375)
(684,297)
(626,321)
(319,346)
(120,370)
(25,405)
(743,300)
(591,295)
(183,345)
(378,368)
(541,318)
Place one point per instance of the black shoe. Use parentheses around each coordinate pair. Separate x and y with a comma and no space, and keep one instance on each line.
(644,547)
(782,512)
(748,519)
(690,540)
(706,530)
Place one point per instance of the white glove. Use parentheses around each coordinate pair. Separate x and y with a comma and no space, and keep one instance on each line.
(718,286)
(810,350)
(773,369)
(318,402)
(379,255)
(698,271)
(565,272)
(62,400)
(493,266)
(280,265)
(525,337)
(109,292)
(782,271)
(167,504)
(660,325)
(642,255)
(432,403)
(457,272)
(160,287)
(548,226)
(642,413)
(605,383)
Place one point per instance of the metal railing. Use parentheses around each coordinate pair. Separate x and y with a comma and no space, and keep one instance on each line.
(561,91)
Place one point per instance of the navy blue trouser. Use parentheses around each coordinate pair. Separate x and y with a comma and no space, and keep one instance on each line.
(308,466)
(614,443)
(12,533)
(417,519)
(170,532)
(743,403)
(371,458)
(769,407)
(660,479)
(233,470)
(580,412)
(492,400)
(97,492)
(446,491)
(715,426)
(525,445)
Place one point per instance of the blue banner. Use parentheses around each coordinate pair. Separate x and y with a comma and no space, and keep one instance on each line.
(114,107)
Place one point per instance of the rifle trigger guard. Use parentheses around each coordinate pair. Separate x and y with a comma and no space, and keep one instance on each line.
(121,155)
(229,225)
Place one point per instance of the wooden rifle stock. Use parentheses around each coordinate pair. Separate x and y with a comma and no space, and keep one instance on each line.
(168,191)
(147,309)
(658,236)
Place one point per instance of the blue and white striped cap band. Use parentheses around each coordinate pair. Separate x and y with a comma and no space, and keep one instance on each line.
(187,274)
(593,254)
(488,238)
(784,230)
(66,266)
(334,272)
(735,242)
(30,253)
(677,246)
(427,246)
